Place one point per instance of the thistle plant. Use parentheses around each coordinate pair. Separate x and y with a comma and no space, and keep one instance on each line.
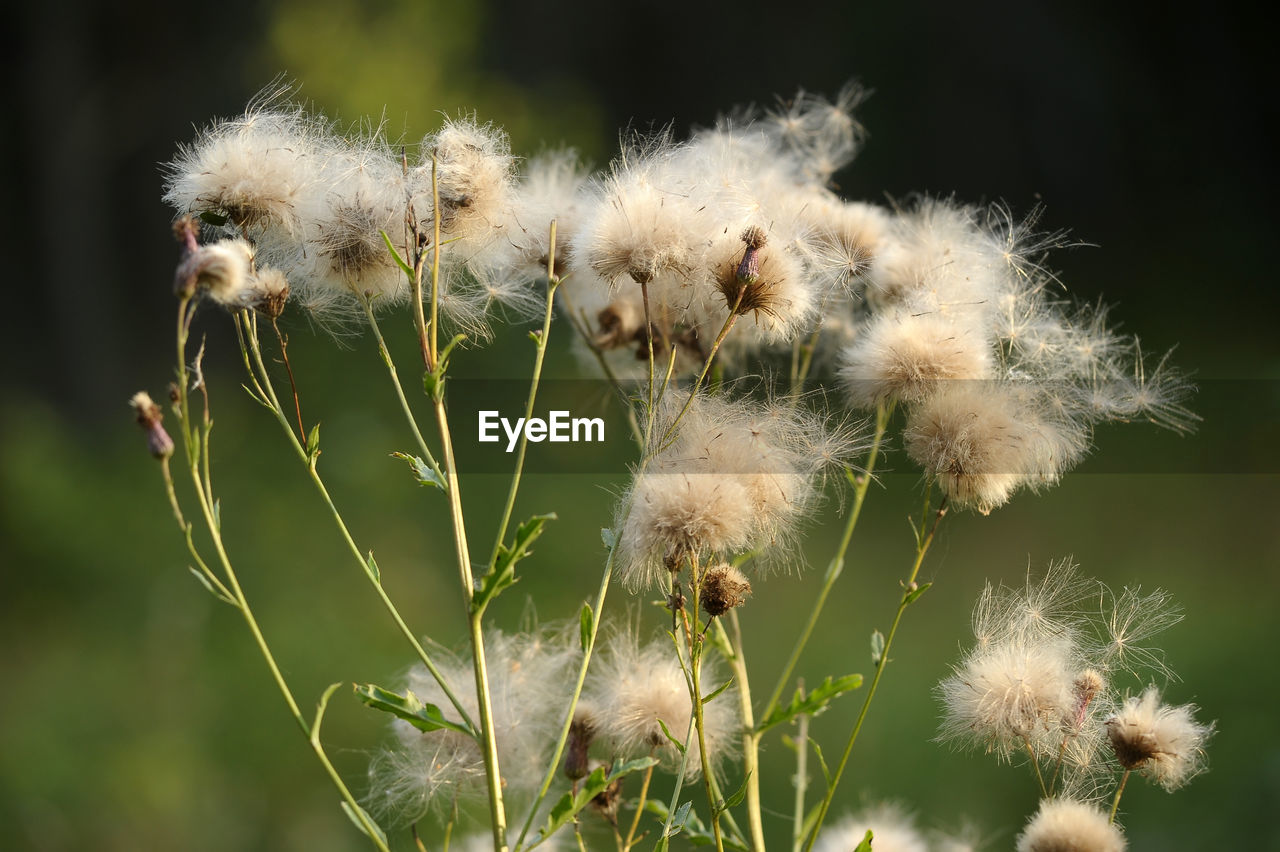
(771,342)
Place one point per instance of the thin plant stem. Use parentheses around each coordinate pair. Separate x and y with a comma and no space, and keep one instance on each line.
(262,380)
(695,643)
(706,367)
(648,336)
(1057,764)
(908,595)
(284,356)
(861,484)
(635,819)
(552,284)
(205,499)
(679,786)
(385,352)
(1115,803)
(1035,765)
(579,324)
(488,739)
(750,749)
(802,779)
(435,266)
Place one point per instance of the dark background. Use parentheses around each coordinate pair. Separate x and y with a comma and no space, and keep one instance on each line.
(135,713)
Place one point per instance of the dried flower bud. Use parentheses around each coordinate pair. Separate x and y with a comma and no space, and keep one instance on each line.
(581,733)
(749,267)
(1086,686)
(268,292)
(723,588)
(149,415)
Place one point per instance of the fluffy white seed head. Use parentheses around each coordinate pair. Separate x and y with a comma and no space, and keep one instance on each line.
(632,688)
(1163,742)
(425,769)
(893,830)
(906,357)
(474,176)
(1006,695)
(251,169)
(222,271)
(1066,825)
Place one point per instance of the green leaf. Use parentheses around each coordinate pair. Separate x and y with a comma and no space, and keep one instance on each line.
(680,819)
(822,761)
(211,218)
(736,799)
(204,581)
(813,703)
(321,706)
(916,593)
(877,647)
(395,253)
(692,827)
(432,384)
(422,471)
(378,834)
(585,624)
(503,574)
(568,806)
(424,717)
(675,742)
(373,569)
(607,536)
(313,442)
(706,699)
(865,845)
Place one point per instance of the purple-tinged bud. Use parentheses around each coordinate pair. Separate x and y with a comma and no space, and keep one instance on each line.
(149,415)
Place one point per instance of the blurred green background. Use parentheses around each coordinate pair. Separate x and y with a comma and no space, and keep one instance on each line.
(137,715)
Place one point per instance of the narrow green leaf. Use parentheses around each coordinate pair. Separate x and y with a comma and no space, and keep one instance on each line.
(313,441)
(916,593)
(813,703)
(822,761)
(585,624)
(675,742)
(736,799)
(351,814)
(877,647)
(421,471)
(424,717)
(204,581)
(865,845)
(395,254)
(211,218)
(706,699)
(321,706)
(373,569)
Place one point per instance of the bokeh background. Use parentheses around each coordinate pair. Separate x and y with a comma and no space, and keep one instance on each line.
(134,712)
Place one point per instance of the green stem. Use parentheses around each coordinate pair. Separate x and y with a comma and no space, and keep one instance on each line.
(883,414)
(262,380)
(205,499)
(908,591)
(802,779)
(706,367)
(750,744)
(635,819)
(1035,765)
(1115,803)
(395,380)
(552,284)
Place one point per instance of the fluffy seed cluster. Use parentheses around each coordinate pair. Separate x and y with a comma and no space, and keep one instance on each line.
(1164,743)
(1003,383)
(893,829)
(421,769)
(1066,825)
(292,192)
(737,476)
(633,690)
(1040,682)
(737,218)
